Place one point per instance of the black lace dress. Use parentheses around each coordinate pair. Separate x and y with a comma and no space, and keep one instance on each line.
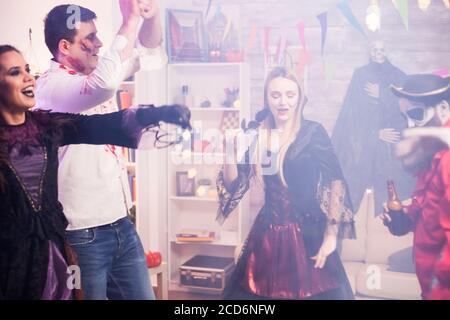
(275,262)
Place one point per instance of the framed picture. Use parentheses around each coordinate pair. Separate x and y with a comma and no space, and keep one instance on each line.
(186,36)
(185,185)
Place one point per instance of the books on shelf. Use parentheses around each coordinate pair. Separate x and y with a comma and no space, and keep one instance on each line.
(195,235)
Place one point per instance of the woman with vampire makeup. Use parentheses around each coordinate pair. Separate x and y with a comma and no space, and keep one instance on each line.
(291,251)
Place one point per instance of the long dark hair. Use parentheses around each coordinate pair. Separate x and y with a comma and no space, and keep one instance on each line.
(7,48)
(51,126)
(3,157)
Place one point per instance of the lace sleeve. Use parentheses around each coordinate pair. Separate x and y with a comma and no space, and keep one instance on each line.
(332,199)
(230,198)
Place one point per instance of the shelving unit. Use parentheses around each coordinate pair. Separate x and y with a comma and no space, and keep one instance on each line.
(129,156)
(206,81)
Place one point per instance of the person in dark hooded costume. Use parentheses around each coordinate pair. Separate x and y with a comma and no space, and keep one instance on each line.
(367,129)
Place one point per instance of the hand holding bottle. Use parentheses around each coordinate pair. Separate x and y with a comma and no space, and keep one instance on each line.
(394,216)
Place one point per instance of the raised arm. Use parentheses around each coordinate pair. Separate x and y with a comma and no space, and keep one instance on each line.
(69,91)
(151,33)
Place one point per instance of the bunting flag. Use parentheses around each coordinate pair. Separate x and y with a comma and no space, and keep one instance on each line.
(251,37)
(227,29)
(324,26)
(402,7)
(347,12)
(301,33)
(208,7)
(266,42)
(282,44)
(278,52)
(303,59)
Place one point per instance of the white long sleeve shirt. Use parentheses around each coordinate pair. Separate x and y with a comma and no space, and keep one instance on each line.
(93,181)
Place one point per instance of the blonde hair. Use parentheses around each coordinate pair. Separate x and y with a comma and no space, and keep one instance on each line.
(293,125)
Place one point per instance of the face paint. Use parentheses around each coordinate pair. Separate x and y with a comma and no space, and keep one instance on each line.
(419,116)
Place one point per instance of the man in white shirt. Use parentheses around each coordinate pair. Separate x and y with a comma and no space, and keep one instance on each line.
(93,182)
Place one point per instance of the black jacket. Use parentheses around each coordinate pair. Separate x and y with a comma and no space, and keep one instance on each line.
(26,229)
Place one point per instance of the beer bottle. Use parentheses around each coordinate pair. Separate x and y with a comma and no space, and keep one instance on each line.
(394,203)
(400,223)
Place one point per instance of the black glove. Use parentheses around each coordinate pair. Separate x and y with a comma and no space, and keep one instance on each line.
(174,114)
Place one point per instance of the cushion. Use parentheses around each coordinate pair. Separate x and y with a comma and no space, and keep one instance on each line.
(354,249)
(374,280)
(381,245)
(402,261)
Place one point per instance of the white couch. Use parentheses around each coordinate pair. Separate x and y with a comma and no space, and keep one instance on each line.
(366,259)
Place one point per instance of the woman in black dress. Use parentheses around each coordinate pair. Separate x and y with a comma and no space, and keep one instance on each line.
(291,250)
(33,259)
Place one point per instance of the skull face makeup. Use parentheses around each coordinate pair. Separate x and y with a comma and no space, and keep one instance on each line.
(377,51)
(417,114)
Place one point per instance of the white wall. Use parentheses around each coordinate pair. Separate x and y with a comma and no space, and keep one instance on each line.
(17,16)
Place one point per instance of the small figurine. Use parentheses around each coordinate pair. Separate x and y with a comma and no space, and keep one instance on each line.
(232,97)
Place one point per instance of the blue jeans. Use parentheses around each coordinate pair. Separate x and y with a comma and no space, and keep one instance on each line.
(112,262)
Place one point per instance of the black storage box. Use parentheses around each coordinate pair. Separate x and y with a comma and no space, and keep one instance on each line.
(206,272)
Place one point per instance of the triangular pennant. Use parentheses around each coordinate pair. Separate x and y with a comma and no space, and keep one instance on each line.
(303,59)
(282,43)
(344,7)
(301,33)
(278,52)
(323,19)
(208,7)
(251,37)
(402,7)
(266,42)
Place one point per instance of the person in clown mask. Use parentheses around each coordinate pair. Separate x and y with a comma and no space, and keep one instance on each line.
(425,102)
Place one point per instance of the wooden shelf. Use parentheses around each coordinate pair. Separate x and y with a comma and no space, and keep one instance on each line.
(212,109)
(206,81)
(219,242)
(226,238)
(198,199)
(207,64)
(198,154)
